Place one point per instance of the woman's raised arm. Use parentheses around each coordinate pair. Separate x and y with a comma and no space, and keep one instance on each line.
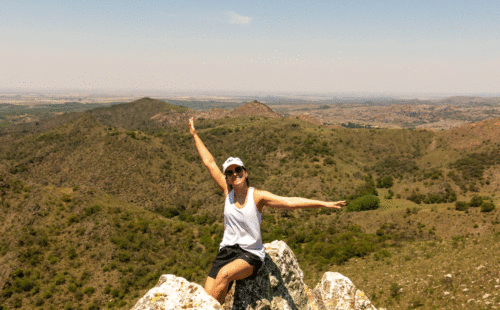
(208,159)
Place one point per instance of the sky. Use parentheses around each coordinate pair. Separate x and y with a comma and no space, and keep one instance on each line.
(276,47)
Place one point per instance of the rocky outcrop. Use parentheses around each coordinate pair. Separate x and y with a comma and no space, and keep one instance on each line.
(338,292)
(279,285)
(172,293)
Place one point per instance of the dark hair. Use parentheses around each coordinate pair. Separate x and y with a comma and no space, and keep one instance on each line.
(247,180)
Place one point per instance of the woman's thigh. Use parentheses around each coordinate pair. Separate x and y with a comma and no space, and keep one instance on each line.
(236,270)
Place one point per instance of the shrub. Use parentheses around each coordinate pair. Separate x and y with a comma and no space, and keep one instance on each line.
(416,198)
(364,203)
(72,253)
(461,206)
(123,256)
(395,290)
(487,206)
(17,302)
(25,284)
(117,293)
(66,198)
(91,210)
(385,182)
(328,161)
(93,306)
(73,218)
(60,279)
(89,290)
(72,287)
(168,212)
(391,194)
(366,189)
(476,201)
(107,289)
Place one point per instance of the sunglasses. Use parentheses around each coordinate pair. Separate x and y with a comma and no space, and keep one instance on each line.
(237,170)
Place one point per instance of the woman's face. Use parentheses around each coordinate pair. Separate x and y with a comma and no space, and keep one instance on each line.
(236,179)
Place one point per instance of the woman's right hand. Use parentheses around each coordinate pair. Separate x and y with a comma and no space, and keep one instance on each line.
(191,126)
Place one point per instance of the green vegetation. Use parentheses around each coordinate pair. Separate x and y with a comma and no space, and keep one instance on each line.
(364,203)
(98,205)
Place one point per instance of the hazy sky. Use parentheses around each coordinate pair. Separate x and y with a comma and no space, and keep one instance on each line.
(247,46)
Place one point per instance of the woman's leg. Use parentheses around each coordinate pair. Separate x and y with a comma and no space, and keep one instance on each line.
(236,270)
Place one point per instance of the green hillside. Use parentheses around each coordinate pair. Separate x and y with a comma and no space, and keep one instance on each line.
(136,114)
(96,208)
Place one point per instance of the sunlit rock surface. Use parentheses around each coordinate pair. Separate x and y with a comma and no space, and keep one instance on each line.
(173,292)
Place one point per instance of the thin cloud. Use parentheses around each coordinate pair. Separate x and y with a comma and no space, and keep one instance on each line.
(238,19)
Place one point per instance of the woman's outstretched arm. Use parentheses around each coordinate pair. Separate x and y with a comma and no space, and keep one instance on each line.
(208,159)
(264,198)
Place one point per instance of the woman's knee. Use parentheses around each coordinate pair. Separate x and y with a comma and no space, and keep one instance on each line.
(209,285)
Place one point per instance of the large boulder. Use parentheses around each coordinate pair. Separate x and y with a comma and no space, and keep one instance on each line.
(172,293)
(279,285)
(339,293)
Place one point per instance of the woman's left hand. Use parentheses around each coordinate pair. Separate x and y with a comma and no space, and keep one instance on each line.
(335,204)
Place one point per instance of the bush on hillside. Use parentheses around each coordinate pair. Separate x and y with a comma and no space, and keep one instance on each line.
(366,189)
(487,206)
(364,203)
(396,166)
(447,196)
(92,210)
(433,174)
(472,166)
(461,206)
(415,197)
(476,201)
(385,182)
(328,161)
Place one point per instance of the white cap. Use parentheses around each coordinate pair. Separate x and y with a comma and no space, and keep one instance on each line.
(232,161)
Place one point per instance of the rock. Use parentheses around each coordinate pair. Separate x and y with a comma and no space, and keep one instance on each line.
(173,292)
(338,292)
(279,285)
(447,279)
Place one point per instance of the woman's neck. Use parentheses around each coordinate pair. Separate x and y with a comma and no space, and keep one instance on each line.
(240,193)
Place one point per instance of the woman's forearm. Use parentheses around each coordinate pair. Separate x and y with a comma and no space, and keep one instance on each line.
(304,203)
(205,155)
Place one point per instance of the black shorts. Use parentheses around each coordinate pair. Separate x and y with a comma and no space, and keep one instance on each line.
(228,254)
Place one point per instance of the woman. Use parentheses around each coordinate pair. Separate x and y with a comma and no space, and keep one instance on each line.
(241,252)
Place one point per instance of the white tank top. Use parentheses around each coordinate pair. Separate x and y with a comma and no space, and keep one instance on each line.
(242,226)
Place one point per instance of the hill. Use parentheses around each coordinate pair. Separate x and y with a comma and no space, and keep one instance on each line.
(136,114)
(255,108)
(475,134)
(94,212)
